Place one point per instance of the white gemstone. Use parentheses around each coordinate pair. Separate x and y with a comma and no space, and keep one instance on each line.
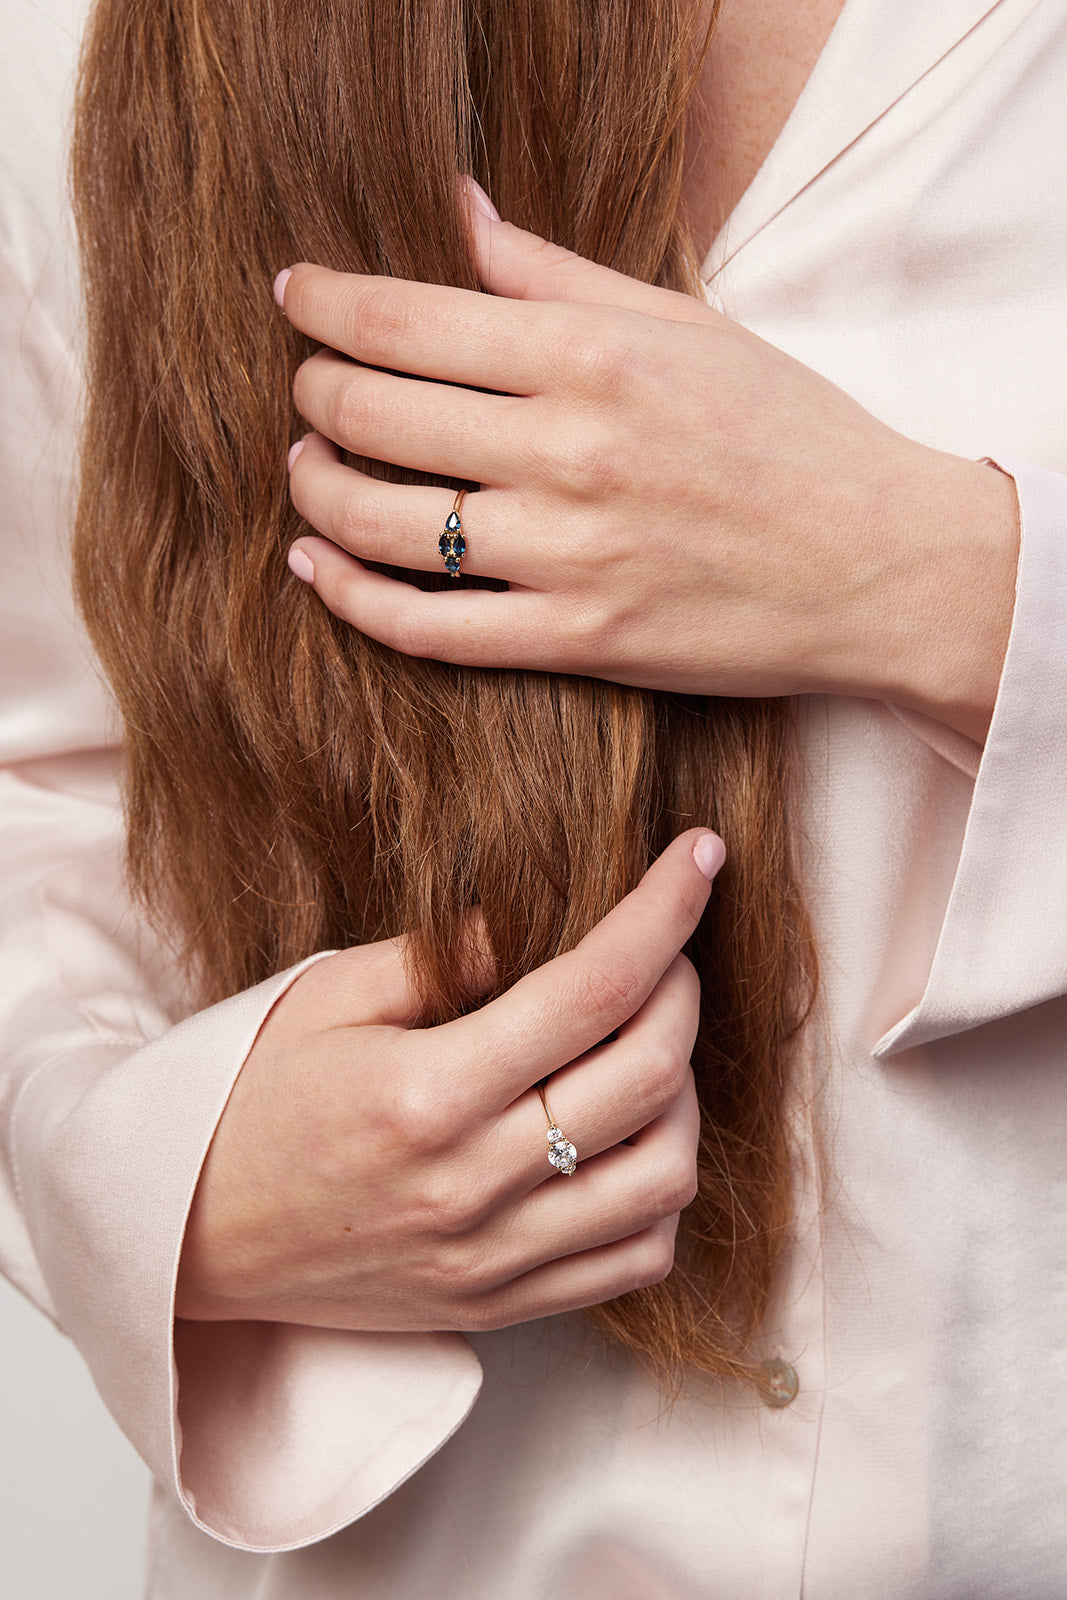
(563,1155)
(554,1135)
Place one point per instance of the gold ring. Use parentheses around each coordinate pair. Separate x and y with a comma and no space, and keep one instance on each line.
(562,1154)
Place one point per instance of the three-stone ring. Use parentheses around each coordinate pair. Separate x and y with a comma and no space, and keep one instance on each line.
(452,544)
(561,1153)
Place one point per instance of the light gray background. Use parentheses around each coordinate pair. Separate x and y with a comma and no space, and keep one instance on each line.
(73,1492)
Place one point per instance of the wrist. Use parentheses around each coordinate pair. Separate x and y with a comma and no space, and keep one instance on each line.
(950,599)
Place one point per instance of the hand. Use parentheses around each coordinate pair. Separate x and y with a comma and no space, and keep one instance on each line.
(367,1174)
(673,502)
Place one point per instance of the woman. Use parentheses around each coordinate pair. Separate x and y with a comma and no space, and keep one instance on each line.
(569,1471)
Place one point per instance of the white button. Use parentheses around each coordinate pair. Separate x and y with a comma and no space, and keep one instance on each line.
(780,1383)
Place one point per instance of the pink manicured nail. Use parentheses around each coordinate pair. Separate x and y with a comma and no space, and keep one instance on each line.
(293,453)
(480,200)
(279,285)
(709,853)
(301,566)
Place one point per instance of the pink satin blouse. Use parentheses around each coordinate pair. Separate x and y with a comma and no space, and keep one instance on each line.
(907,236)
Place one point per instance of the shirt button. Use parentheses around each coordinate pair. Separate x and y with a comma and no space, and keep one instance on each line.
(780,1383)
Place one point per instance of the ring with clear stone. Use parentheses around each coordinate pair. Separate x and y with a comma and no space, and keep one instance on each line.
(561,1153)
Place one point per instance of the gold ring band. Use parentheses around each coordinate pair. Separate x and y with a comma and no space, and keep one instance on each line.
(562,1154)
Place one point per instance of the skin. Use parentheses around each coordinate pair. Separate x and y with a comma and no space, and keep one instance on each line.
(370,1175)
(761,56)
(675,504)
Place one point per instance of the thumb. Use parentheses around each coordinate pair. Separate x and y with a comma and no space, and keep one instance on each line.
(521,266)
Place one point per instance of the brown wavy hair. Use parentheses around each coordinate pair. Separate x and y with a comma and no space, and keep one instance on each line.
(291,785)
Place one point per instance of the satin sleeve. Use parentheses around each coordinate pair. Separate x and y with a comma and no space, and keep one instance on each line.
(270,1435)
(275,1434)
(1002,947)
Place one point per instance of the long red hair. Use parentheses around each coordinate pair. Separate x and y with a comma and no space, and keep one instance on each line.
(292,785)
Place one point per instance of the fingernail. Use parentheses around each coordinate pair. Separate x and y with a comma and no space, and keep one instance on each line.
(709,853)
(279,285)
(301,566)
(293,453)
(480,200)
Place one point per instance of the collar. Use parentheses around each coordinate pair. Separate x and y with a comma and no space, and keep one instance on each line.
(875,53)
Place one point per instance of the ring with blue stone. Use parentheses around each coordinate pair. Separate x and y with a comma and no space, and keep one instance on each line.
(452,544)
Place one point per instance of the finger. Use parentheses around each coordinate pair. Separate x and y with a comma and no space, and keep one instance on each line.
(585,1279)
(521,266)
(470,627)
(402,524)
(610,1093)
(433,331)
(564,1008)
(611,1196)
(453,431)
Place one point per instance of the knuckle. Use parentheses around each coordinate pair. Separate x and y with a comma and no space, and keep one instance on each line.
(379,315)
(677,1185)
(478,1272)
(544,253)
(597,356)
(348,409)
(437,1281)
(611,985)
(593,636)
(349,520)
(654,1258)
(663,1078)
(537,258)
(422,1119)
(588,462)
(453,1214)
(357,518)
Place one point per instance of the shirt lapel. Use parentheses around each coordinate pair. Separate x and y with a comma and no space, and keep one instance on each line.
(876,51)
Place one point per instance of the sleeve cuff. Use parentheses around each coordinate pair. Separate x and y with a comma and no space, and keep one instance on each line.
(287,1433)
(290,1433)
(1002,947)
